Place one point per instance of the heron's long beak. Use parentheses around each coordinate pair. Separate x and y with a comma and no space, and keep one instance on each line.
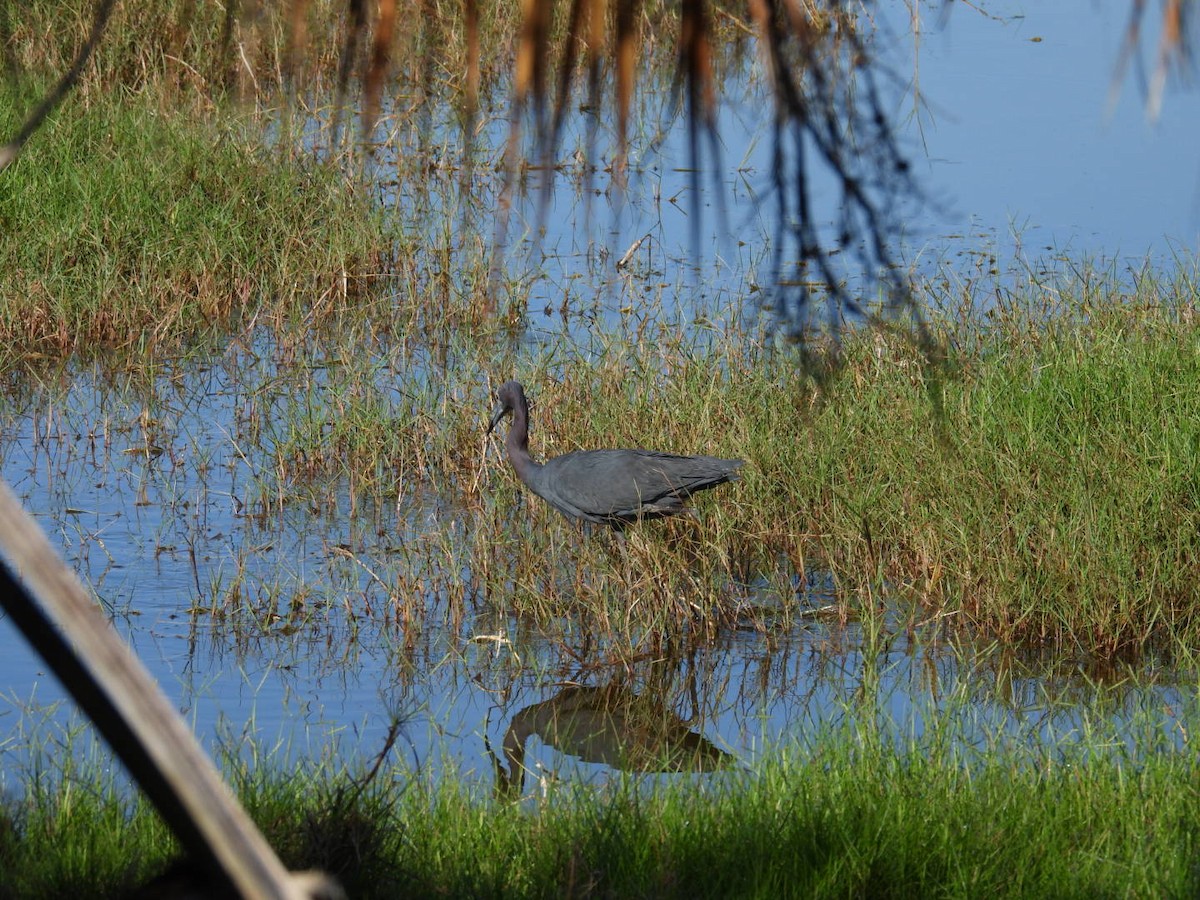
(497,414)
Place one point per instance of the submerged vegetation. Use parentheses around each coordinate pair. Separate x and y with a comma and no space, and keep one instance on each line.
(1045,499)
(1048,498)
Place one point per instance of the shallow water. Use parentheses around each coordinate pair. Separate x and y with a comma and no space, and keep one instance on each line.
(155,492)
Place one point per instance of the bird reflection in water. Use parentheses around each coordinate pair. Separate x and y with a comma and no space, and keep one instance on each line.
(611,725)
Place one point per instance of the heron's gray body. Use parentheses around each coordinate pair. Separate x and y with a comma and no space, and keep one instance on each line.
(609,487)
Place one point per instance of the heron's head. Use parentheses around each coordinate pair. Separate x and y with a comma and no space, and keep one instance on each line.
(510,396)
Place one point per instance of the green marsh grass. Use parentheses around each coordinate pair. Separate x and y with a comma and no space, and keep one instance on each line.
(138,230)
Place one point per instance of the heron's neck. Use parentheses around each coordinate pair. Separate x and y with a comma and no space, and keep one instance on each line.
(517,443)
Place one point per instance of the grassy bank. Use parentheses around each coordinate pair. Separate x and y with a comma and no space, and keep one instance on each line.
(845,815)
(1057,501)
(138,229)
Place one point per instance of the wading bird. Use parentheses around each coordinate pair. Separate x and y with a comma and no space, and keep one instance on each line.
(607,487)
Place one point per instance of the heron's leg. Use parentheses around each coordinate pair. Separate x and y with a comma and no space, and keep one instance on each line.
(623,546)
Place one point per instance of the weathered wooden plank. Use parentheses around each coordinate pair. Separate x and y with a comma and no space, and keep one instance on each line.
(54,612)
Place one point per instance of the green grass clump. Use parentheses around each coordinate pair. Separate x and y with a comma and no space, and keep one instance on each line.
(134,229)
(1055,502)
(847,814)
(73,828)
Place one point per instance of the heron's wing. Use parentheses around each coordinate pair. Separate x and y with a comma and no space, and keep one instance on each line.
(627,483)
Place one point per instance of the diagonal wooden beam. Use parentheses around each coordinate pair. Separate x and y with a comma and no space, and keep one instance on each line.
(54,612)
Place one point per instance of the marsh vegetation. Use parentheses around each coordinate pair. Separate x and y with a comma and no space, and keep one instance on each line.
(938,639)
